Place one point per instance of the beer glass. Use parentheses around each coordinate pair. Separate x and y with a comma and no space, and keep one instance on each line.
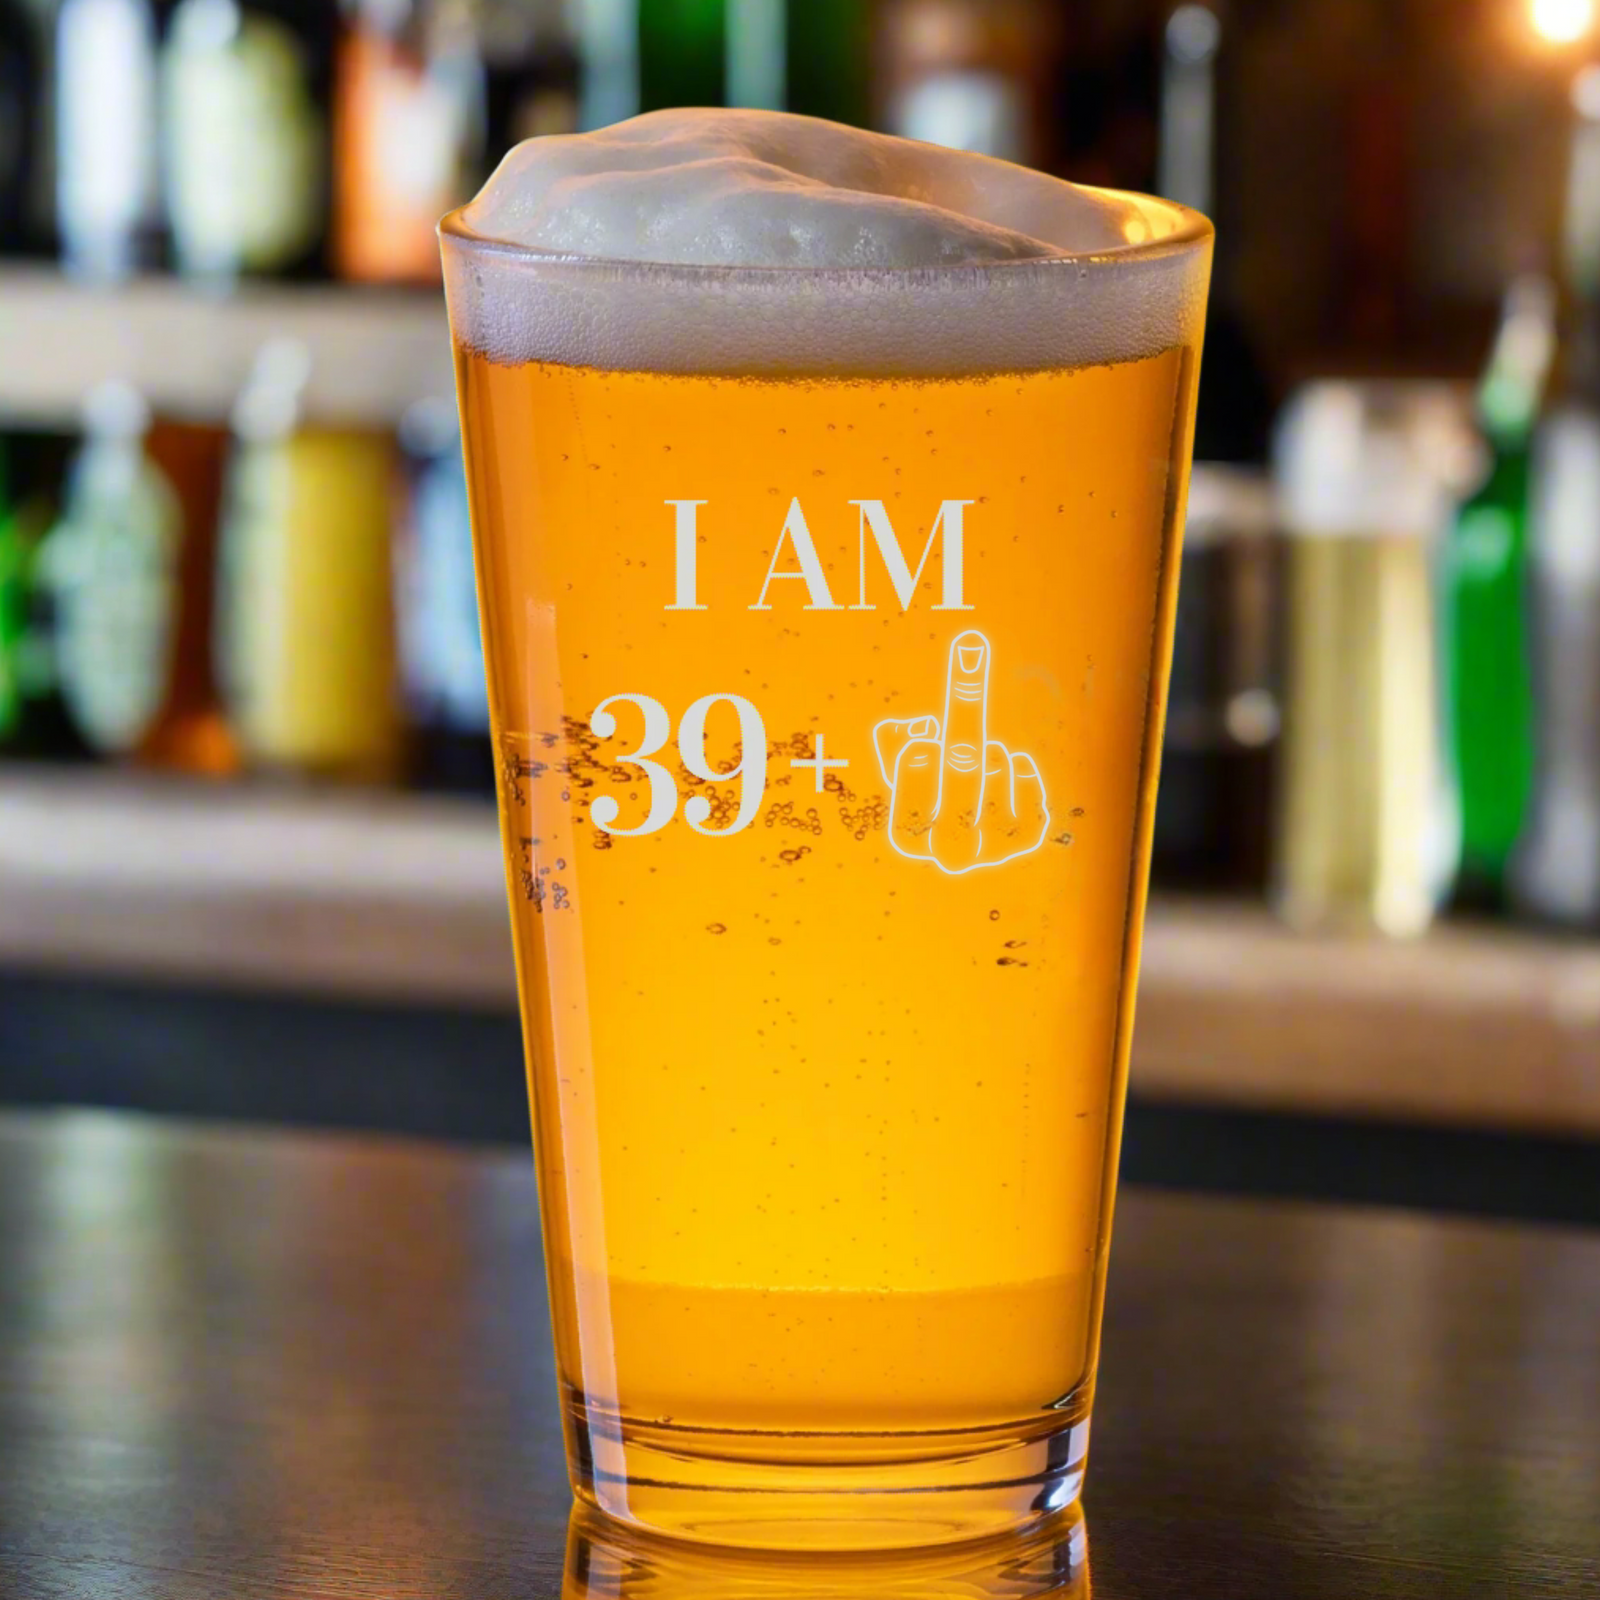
(827,615)
(608,1561)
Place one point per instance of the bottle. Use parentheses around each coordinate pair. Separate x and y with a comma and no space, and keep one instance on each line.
(757,68)
(827,60)
(1214,805)
(1213,812)
(532,73)
(36,470)
(1365,473)
(971,74)
(245,88)
(14,573)
(1489,695)
(407,136)
(810,57)
(607,40)
(1555,871)
(682,53)
(1233,421)
(306,626)
(190,733)
(129,570)
(19,101)
(1375,203)
(106,136)
(436,595)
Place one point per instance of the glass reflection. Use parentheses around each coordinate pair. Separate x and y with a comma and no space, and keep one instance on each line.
(606,1561)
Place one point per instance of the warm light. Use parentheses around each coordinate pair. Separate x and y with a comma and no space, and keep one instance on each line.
(1561,21)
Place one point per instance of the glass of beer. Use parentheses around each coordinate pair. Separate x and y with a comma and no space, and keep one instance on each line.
(826,492)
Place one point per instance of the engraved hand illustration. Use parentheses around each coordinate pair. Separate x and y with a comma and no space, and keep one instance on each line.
(957,797)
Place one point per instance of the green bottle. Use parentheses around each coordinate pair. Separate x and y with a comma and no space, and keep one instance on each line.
(1490,713)
(682,53)
(13,611)
(829,46)
(809,56)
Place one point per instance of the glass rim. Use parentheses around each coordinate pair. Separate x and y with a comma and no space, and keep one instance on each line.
(1187,230)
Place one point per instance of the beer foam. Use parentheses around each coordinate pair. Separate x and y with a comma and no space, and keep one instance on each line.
(749,241)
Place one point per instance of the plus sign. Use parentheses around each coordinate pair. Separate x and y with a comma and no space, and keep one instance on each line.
(819,763)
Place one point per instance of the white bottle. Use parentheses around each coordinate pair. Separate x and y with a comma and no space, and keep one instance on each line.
(105,135)
(243,146)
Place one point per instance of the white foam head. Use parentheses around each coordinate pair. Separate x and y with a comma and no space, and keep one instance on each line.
(745,241)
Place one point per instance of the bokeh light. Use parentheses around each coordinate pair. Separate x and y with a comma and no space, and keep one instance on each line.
(1562,21)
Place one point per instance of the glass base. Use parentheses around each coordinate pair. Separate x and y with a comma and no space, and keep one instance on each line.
(607,1559)
(829,1491)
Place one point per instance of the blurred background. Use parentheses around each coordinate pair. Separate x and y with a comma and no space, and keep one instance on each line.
(248,861)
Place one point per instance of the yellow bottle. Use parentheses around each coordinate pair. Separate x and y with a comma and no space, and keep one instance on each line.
(308,653)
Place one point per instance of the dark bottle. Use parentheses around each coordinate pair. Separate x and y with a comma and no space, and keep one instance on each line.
(682,53)
(1213,815)
(1489,695)
(19,122)
(827,59)
(246,86)
(1214,811)
(36,476)
(531,73)
(1234,418)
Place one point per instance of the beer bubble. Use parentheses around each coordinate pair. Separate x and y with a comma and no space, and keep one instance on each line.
(716,927)
(994,916)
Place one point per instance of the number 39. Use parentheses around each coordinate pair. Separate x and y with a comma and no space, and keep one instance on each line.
(751,767)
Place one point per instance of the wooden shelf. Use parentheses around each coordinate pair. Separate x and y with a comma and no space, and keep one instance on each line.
(188,351)
(1476,1024)
(392,896)
(314,891)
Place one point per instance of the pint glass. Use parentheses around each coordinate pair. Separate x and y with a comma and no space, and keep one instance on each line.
(827,616)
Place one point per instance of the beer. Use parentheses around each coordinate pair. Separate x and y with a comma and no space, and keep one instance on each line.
(826,704)
(846,989)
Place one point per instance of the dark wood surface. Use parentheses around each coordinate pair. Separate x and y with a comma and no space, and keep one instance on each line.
(264,1365)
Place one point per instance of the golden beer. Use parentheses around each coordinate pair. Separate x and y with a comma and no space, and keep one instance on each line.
(828,705)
